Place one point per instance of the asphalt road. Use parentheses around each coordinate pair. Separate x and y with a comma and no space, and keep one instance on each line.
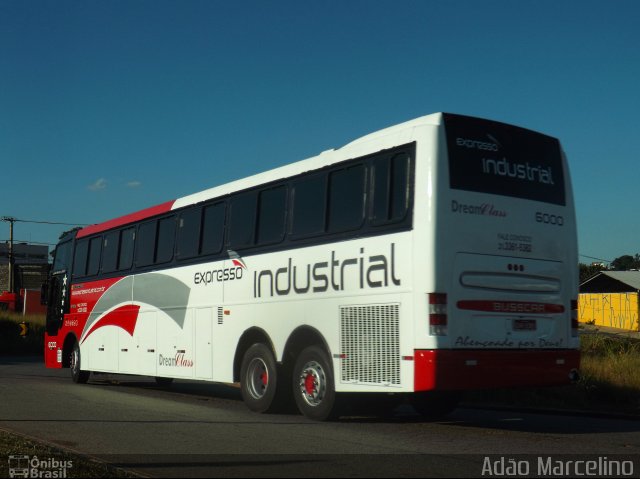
(204,430)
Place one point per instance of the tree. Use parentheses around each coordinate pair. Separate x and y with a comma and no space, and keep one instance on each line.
(626,262)
(589,270)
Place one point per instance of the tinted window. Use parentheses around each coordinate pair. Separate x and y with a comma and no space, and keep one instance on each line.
(490,157)
(390,178)
(346,198)
(309,199)
(80,258)
(189,233)
(127,238)
(166,239)
(110,252)
(242,220)
(212,229)
(146,244)
(271,215)
(94,256)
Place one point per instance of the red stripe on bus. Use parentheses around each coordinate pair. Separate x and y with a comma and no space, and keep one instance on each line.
(526,307)
(123,220)
(124,317)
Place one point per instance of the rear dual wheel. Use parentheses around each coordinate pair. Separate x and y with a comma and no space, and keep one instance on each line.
(266,387)
(260,384)
(313,386)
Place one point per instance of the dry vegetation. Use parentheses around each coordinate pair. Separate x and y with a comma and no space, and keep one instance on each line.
(609,381)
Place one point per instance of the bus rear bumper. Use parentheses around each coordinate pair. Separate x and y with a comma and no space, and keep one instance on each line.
(478,369)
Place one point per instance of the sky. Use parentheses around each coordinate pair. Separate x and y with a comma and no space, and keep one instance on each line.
(108,107)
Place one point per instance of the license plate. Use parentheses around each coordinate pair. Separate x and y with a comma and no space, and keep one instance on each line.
(524,325)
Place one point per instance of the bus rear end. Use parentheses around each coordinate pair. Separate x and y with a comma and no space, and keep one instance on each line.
(503,297)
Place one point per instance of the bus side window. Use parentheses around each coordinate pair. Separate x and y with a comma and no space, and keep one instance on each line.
(146,244)
(95,248)
(390,181)
(166,239)
(212,228)
(242,220)
(127,238)
(80,258)
(110,252)
(346,199)
(189,233)
(271,215)
(309,199)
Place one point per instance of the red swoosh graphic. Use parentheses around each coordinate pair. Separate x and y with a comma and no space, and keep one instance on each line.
(124,317)
(240,263)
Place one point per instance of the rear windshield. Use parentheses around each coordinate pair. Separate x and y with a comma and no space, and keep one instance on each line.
(490,157)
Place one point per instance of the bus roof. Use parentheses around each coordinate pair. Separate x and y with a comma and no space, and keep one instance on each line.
(323,159)
(126,219)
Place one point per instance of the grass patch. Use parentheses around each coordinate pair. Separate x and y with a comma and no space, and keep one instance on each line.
(80,466)
(609,381)
(11,343)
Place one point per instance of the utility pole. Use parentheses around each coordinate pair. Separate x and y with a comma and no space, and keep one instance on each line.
(10,220)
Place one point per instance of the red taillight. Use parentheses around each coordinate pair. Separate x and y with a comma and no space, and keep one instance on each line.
(574,318)
(437,314)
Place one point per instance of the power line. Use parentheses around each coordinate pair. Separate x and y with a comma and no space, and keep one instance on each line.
(8,218)
(598,259)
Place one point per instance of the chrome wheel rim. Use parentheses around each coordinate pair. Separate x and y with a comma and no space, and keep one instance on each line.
(257,378)
(313,383)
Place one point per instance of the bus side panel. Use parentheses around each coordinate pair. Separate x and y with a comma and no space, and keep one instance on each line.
(354,293)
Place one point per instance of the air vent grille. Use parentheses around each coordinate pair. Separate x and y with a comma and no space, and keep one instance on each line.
(370,344)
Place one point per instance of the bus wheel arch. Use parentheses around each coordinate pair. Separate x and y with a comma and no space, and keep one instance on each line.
(300,339)
(249,338)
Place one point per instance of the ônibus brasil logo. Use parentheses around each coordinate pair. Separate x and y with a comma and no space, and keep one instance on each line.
(231,273)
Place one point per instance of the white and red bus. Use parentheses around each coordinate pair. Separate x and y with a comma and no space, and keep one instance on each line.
(428,258)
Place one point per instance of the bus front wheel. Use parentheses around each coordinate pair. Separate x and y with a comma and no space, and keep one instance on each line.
(77,375)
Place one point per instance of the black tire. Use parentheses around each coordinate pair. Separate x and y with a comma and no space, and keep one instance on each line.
(164,382)
(259,379)
(78,376)
(313,386)
(434,405)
